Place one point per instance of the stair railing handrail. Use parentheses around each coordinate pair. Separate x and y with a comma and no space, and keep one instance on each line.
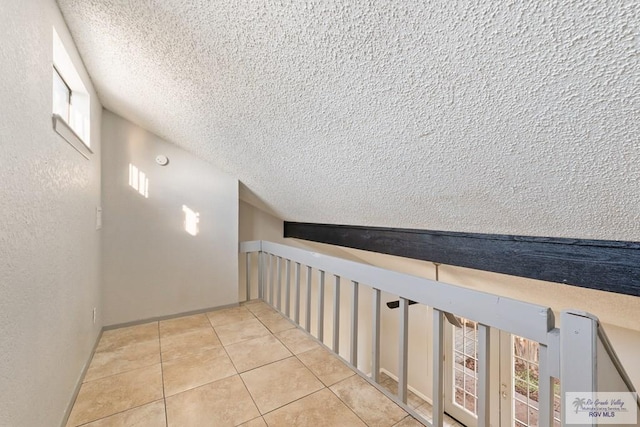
(528,320)
(569,354)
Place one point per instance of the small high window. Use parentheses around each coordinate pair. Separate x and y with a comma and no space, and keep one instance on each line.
(61,96)
(71,102)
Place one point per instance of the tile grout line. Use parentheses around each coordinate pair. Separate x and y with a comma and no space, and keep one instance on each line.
(293,401)
(303,364)
(133,407)
(224,347)
(324,386)
(243,340)
(251,396)
(163,399)
(351,367)
(257,367)
(272,334)
(276,361)
(266,364)
(227,353)
(269,329)
(345,403)
(306,367)
(116,413)
(118,373)
(96,352)
(408,415)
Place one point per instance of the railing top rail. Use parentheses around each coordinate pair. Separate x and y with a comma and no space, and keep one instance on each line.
(528,320)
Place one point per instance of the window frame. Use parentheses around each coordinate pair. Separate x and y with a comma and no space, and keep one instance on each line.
(74,124)
(67,116)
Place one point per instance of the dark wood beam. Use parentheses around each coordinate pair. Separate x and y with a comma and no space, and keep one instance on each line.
(605,265)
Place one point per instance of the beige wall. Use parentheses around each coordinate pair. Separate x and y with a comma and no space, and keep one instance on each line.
(256,224)
(151,265)
(49,246)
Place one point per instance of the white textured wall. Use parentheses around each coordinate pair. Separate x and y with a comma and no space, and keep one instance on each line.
(49,247)
(151,266)
(465,115)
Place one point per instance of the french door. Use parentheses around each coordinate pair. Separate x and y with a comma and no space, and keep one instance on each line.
(519,380)
(513,380)
(461,372)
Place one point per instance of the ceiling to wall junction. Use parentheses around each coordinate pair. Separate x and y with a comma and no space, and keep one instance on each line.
(516,117)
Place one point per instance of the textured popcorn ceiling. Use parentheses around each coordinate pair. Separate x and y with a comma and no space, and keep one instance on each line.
(517,117)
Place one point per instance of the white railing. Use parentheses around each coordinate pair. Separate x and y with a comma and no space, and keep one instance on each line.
(571,357)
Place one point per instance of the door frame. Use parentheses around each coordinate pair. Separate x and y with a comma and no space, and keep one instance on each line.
(497,371)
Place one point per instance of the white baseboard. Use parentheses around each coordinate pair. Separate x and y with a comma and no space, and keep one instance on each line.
(413,390)
(83,373)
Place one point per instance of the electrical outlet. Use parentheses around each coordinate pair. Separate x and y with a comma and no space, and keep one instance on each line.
(94,315)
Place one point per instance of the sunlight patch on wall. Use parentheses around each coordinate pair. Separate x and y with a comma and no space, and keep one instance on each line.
(138,180)
(191,220)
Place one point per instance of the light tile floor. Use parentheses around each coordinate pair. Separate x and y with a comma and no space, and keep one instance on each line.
(415,402)
(244,366)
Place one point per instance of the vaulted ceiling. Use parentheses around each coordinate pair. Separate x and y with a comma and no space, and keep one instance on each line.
(518,117)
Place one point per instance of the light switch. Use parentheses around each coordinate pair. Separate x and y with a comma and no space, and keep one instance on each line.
(98,217)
